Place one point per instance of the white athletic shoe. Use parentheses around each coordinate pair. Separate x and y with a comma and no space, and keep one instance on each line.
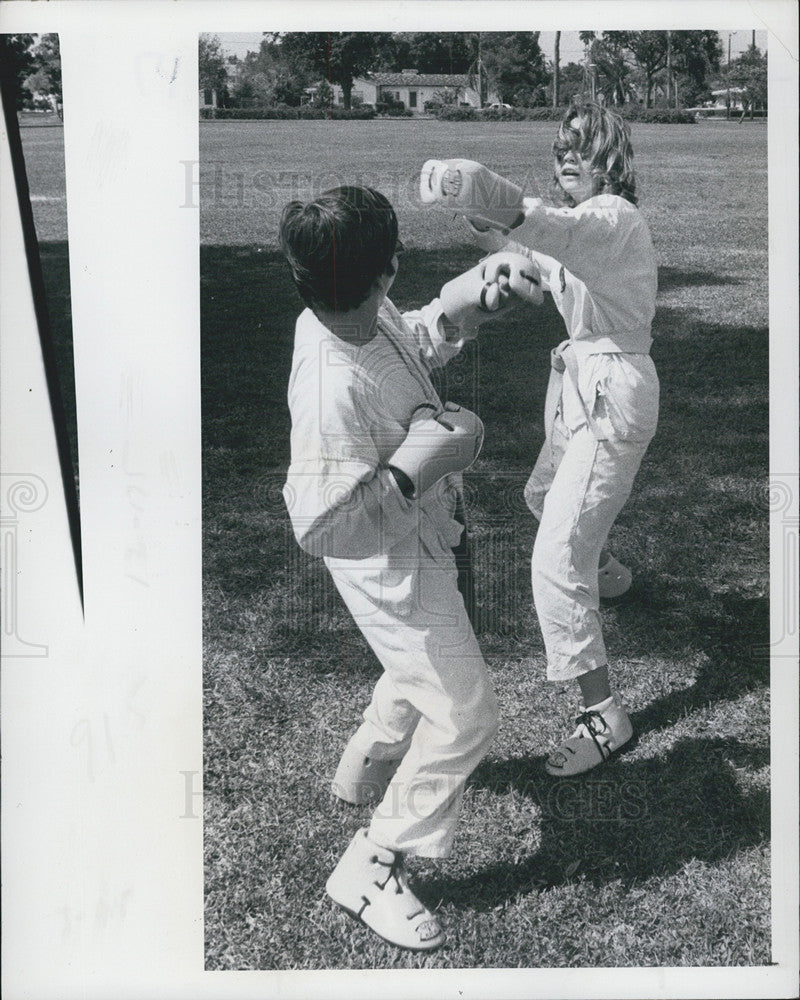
(370,883)
(602,729)
(361,779)
(613,579)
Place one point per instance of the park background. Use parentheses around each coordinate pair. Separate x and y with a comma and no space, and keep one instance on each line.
(657,75)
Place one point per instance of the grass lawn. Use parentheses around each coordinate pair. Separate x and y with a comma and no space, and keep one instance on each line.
(662,857)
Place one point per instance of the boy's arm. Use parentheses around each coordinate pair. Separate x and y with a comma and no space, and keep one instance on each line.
(495,285)
(344,502)
(340,501)
(437,339)
(346,509)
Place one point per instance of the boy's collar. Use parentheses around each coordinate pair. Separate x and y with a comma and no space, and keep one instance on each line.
(346,331)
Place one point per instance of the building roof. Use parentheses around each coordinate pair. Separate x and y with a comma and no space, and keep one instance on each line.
(419,79)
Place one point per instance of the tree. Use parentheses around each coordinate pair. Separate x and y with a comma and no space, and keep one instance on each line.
(449,53)
(589,39)
(391,52)
(515,66)
(288,89)
(476,72)
(649,49)
(556,68)
(212,69)
(572,82)
(16,63)
(749,72)
(265,77)
(448,96)
(338,56)
(695,56)
(45,80)
(323,95)
(687,57)
(609,54)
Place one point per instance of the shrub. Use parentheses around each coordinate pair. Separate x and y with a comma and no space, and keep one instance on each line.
(660,116)
(666,116)
(631,112)
(501,114)
(452,114)
(361,113)
(392,110)
(284,112)
(244,114)
(389,105)
(504,114)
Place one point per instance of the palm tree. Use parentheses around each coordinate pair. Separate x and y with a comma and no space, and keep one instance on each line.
(476,74)
(589,69)
(556,61)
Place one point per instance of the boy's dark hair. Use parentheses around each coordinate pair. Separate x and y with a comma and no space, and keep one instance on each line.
(604,140)
(338,244)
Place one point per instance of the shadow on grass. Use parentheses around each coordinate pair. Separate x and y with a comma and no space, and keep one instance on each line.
(676,277)
(731,629)
(714,424)
(248,311)
(54,256)
(625,821)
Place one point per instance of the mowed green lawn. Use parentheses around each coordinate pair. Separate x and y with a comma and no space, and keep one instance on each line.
(660,858)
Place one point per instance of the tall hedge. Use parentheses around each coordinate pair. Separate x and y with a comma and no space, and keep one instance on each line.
(284,112)
(631,112)
(448,113)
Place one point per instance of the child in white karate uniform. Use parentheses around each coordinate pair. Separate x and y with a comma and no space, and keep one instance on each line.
(374,487)
(596,257)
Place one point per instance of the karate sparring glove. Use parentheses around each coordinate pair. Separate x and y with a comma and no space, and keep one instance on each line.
(473,190)
(436,444)
(497,283)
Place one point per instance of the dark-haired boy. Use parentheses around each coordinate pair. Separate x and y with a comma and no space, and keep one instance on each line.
(374,487)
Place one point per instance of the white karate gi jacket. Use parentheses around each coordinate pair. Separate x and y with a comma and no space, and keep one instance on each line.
(597,260)
(351,406)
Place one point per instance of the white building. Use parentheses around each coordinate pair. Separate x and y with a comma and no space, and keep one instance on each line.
(208,97)
(721,99)
(413,89)
(718,107)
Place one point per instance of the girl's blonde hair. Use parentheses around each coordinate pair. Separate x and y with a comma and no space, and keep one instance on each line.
(603,139)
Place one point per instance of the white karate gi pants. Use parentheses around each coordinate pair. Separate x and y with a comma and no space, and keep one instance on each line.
(576,490)
(434,705)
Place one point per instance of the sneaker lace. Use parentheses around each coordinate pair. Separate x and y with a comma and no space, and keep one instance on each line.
(396,872)
(595,725)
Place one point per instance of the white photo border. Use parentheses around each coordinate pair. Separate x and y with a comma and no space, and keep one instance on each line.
(102,740)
